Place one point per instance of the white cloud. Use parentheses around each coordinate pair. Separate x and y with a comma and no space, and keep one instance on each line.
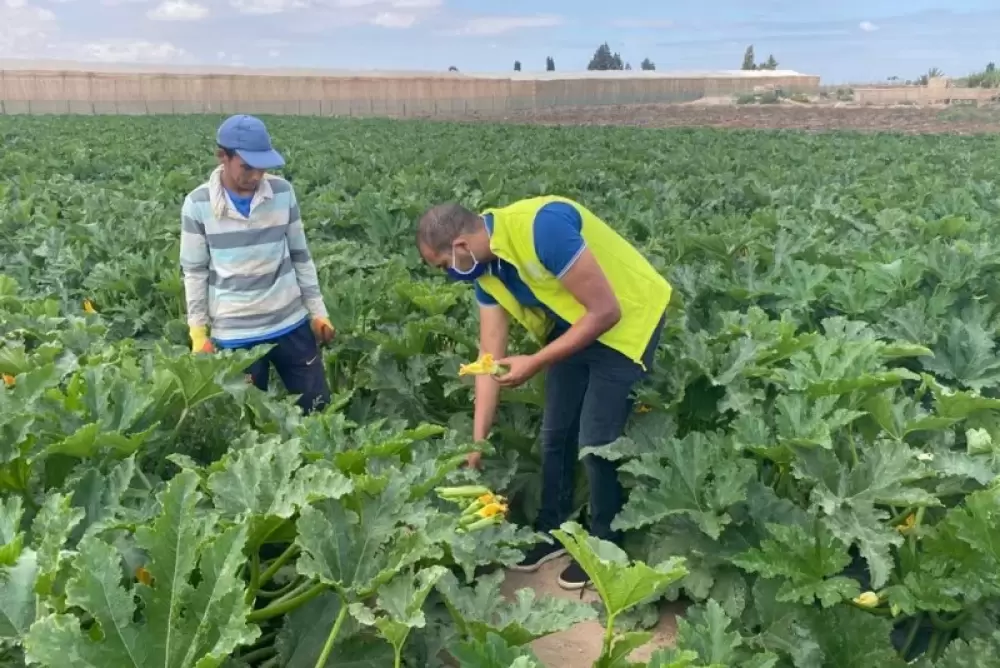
(265,6)
(643,23)
(133,51)
(497,25)
(24,29)
(416,4)
(274,53)
(178,10)
(868,26)
(394,20)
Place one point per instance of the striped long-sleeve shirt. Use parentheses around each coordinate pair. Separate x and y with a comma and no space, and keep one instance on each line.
(249,279)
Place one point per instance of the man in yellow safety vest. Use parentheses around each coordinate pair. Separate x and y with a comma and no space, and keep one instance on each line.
(598,307)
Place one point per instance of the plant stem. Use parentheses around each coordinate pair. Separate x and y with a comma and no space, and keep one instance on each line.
(283,606)
(952,623)
(913,531)
(258,654)
(276,565)
(911,636)
(254,576)
(328,647)
(280,593)
(294,593)
(609,636)
(932,646)
(854,447)
(943,645)
(266,638)
(398,662)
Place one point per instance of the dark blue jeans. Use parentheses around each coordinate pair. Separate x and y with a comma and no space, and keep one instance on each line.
(297,359)
(588,400)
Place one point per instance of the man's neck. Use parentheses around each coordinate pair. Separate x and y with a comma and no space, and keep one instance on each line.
(231,187)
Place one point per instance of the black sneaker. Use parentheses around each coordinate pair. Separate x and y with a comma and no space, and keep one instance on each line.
(573,577)
(541,553)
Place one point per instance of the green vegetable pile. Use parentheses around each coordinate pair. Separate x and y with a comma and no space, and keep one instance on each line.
(813,465)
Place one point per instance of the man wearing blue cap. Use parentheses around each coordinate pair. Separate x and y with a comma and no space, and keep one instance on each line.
(248,274)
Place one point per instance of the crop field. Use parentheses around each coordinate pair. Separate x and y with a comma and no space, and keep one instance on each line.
(811,470)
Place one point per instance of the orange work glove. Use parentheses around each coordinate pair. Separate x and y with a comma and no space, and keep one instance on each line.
(200,343)
(323,329)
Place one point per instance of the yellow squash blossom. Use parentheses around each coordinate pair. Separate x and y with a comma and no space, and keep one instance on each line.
(8,380)
(492,509)
(869,599)
(484,366)
(906,525)
(487,499)
(88,306)
(143,576)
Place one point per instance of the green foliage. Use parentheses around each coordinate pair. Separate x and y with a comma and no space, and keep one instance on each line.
(603,59)
(750,61)
(823,419)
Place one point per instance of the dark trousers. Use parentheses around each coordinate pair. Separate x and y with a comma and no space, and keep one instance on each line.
(588,399)
(297,359)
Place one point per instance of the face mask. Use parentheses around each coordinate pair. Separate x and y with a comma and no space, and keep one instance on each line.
(472,274)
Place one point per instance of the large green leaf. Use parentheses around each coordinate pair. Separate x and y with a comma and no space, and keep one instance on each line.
(620,583)
(807,562)
(17,597)
(480,610)
(266,484)
(182,624)
(697,476)
(357,550)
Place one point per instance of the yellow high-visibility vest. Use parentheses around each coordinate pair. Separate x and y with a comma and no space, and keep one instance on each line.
(643,294)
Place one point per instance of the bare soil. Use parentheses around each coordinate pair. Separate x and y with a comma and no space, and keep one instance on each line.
(580,646)
(818,117)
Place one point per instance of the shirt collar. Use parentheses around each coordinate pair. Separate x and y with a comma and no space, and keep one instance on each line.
(220,198)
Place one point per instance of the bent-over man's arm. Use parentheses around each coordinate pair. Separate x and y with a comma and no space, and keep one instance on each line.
(493,332)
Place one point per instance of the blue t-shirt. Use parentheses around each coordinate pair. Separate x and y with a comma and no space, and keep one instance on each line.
(558,244)
(242,204)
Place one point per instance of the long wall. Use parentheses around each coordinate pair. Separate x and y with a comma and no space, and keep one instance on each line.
(26,91)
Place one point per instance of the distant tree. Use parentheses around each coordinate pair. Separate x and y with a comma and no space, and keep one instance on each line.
(933,72)
(750,64)
(550,64)
(604,60)
(452,69)
(648,64)
(517,65)
(628,66)
(988,78)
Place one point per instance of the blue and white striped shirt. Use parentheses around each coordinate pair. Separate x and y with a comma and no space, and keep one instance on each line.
(251,279)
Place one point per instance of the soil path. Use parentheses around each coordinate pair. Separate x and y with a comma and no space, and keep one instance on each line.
(580,646)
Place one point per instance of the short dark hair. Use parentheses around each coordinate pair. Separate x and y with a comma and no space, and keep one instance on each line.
(442,224)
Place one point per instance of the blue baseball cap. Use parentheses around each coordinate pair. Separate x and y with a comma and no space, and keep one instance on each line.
(247,136)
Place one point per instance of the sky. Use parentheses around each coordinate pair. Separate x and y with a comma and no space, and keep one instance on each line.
(842,41)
